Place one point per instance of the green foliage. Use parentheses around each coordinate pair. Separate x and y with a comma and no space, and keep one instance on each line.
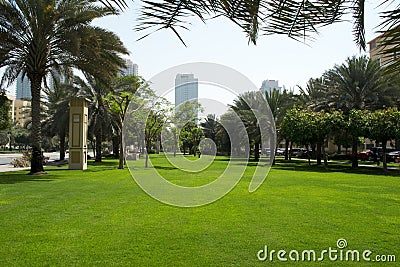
(383,125)
(5,116)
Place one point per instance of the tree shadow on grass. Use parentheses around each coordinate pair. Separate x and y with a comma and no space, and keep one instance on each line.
(20,177)
(333,167)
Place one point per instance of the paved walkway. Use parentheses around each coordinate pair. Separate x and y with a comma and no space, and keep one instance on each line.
(5,160)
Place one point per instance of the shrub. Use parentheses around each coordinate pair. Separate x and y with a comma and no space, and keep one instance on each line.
(24,161)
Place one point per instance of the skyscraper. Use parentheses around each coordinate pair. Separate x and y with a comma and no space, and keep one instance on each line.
(23,88)
(186,88)
(131,69)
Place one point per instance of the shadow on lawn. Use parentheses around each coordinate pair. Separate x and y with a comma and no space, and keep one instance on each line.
(20,177)
(333,167)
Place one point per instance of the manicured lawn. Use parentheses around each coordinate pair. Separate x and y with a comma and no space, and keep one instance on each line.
(100,217)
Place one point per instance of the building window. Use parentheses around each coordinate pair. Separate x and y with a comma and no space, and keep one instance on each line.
(372,45)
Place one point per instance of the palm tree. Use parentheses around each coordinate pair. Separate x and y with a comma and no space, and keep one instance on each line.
(358,84)
(315,95)
(57,119)
(100,118)
(210,126)
(38,37)
(252,109)
(279,103)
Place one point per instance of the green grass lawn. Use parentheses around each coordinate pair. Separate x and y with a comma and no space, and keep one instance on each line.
(100,217)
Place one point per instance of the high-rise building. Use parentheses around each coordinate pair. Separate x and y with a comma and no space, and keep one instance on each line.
(130,69)
(269,86)
(23,88)
(186,88)
(58,78)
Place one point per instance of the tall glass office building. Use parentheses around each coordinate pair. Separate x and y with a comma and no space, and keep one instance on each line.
(186,88)
(23,88)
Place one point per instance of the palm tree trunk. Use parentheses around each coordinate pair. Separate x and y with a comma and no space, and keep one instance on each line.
(354,147)
(62,144)
(99,140)
(36,131)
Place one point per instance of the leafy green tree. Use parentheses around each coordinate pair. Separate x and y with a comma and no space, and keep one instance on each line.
(156,120)
(123,91)
(44,36)
(355,125)
(382,126)
(5,117)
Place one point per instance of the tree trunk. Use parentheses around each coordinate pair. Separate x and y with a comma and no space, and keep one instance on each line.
(121,149)
(354,147)
(384,155)
(148,148)
(99,140)
(339,149)
(286,149)
(36,131)
(325,156)
(257,151)
(62,144)
(115,142)
(319,156)
(290,150)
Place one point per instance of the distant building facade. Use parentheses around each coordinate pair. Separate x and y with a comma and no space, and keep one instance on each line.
(23,88)
(20,110)
(186,88)
(377,51)
(269,86)
(130,69)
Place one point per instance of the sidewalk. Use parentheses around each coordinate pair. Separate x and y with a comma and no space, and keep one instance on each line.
(10,168)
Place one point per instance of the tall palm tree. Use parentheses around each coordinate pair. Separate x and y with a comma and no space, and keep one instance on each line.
(315,95)
(100,118)
(210,126)
(279,103)
(38,37)
(57,119)
(358,84)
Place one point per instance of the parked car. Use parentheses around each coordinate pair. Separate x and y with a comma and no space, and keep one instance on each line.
(377,152)
(365,155)
(393,156)
(280,152)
